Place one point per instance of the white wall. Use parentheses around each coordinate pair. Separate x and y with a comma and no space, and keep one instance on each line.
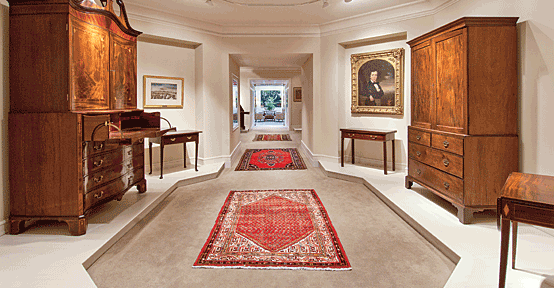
(234,69)
(169,61)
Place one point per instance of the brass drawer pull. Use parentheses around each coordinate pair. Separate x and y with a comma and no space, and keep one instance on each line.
(98,163)
(129,152)
(141,140)
(98,179)
(99,195)
(99,147)
(445,162)
(418,137)
(189,137)
(446,185)
(445,144)
(172,139)
(418,172)
(418,153)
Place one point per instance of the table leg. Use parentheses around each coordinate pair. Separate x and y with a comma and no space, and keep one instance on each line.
(385,156)
(505,239)
(150,155)
(352,150)
(196,158)
(341,151)
(185,154)
(161,159)
(514,243)
(393,158)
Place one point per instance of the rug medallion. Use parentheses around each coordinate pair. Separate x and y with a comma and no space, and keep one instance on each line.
(273,229)
(271,159)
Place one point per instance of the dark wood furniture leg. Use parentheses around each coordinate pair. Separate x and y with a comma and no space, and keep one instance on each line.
(196,156)
(505,236)
(385,156)
(352,150)
(393,157)
(342,151)
(185,154)
(514,243)
(150,155)
(161,160)
(77,227)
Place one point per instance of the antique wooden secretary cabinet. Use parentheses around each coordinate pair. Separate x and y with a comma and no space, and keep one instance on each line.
(75,133)
(462,142)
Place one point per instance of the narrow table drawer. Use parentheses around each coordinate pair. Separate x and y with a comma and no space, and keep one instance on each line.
(419,137)
(448,185)
(364,136)
(172,139)
(447,162)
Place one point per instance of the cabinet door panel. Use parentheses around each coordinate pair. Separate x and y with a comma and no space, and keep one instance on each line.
(88,58)
(451,73)
(422,85)
(123,84)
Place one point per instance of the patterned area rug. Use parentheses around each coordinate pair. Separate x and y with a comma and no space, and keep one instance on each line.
(271,159)
(272,137)
(273,229)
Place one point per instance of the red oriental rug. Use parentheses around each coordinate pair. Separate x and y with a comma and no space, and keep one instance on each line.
(273,229)
(272,137)
(271,159)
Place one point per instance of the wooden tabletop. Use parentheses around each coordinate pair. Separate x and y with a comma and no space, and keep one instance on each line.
(182,132)
(368,130)
(529,187)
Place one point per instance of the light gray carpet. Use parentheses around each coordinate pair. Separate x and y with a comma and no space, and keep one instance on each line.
(383,250)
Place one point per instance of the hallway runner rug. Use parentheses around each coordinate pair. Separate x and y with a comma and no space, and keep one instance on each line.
(270,159)
(273,229)
(272,137)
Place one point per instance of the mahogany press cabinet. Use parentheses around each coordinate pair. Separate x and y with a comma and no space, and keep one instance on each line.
(75,133)
(463,142)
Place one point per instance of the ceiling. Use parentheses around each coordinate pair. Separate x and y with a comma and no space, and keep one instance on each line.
(263,60)
(272,12)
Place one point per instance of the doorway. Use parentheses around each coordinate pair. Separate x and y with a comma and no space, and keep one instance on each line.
(270,102)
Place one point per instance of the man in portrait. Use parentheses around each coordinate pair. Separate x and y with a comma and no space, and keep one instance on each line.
(374,90)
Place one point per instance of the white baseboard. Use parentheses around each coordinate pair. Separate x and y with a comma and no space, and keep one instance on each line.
(237,152)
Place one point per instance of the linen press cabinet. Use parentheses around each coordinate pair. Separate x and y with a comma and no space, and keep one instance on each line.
(75,133)
(463,141)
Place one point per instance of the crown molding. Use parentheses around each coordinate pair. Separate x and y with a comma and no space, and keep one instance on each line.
(394,14)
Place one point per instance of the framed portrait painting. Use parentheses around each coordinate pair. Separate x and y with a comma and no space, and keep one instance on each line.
(377,82)
(163,92)
(297,94)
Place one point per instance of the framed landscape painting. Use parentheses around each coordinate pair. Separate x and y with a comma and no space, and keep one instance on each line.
(163,92)
(297,94)
(377,82)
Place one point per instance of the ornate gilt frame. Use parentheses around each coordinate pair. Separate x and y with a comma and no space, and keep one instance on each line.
(394,57)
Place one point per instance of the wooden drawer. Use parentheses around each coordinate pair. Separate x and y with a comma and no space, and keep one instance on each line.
(92,121)
(444,183)
(135,176)
(99,178)
(179,139)
(102,161)
(448,143)
(419,137)
(104,192)
(91,148)
(448,162)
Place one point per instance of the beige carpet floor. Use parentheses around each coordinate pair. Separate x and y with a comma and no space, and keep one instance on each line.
(383,250)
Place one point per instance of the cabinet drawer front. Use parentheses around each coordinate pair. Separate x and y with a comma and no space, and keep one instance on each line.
(446,184)
(102,161)
(91,148)
(104,192)
(364,136)
(419,137)
(104,176)
(135,176)
(441,160)
(448,143)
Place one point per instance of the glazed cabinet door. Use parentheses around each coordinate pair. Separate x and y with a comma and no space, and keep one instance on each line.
(123,85)
(422,85)
(451,78)
(89,64)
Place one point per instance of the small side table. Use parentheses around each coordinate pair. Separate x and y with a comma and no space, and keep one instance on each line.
(368,134)
(525,198)
(175,137)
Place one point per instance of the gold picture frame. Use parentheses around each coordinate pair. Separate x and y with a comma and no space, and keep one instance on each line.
(297,94)
(385,96)
(163,92)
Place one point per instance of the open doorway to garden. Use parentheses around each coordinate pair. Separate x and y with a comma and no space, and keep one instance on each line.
(270,102)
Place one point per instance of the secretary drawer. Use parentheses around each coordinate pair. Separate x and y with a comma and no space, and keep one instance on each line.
(419,137)
(102,161)
(448,143)
(91,148)
(447,162)
(104,192)
(446,184)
